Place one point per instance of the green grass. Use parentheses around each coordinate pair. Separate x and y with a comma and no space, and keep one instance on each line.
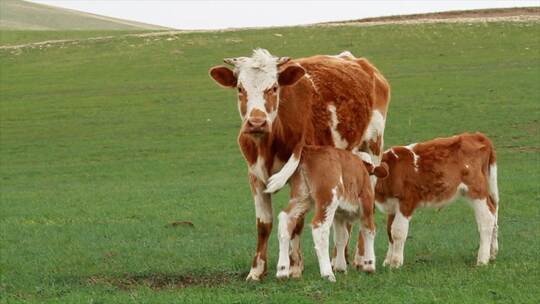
(104,143)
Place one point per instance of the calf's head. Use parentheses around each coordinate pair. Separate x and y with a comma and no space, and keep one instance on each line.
(258,80)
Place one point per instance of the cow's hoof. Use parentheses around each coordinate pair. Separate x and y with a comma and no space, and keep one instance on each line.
(253,276)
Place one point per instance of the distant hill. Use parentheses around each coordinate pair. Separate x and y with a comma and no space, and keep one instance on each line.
(451,15)
(22,15)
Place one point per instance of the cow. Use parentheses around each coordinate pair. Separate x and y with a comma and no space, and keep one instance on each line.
(285,104)
(433,174)
(336,182)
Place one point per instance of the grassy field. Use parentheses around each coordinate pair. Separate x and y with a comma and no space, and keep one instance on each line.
(104,143)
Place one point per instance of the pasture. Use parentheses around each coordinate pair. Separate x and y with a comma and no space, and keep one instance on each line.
(105,143)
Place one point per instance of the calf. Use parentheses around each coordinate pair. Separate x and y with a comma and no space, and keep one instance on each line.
(433,174)
(337,183)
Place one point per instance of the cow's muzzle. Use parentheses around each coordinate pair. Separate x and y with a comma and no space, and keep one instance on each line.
(257,126)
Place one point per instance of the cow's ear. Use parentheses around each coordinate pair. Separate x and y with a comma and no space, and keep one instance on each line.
(223,76)
(290,75)
(381,171)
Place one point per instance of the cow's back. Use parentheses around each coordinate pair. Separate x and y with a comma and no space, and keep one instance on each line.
(345,93)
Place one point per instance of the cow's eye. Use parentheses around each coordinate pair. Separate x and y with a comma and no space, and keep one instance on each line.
(239,90)
(274,89)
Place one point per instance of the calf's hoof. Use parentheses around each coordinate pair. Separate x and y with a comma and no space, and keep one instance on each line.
(483,262)
(282,273)
(340,269)
(369,266)
(296,272)
(329,277)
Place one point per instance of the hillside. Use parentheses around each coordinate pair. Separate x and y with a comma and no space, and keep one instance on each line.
(22,15)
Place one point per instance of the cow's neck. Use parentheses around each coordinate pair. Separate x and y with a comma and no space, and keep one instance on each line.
(278,146)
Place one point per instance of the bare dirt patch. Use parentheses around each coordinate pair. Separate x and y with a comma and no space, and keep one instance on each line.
(159,281)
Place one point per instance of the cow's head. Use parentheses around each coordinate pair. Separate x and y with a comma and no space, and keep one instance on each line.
(258,80)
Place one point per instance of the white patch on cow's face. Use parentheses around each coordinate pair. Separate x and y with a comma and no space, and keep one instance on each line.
(339,142)
(256,75)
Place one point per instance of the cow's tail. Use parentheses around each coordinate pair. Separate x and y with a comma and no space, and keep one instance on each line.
(492,178)
(278,180)
(494,197)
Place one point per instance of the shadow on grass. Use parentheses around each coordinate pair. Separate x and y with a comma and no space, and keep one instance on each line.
(159,281)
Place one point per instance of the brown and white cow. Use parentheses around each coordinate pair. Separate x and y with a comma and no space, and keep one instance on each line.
(337,183)
(285,104)
(433,174)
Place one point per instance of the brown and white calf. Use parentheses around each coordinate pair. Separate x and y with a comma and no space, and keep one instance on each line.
(433,174)
(285,104)
(337,184)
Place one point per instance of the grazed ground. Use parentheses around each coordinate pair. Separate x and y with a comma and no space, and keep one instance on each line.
(105,144)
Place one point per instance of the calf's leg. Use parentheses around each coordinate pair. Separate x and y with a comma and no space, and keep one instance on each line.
(321,223)
(295,252)
(399,231)
(288,223)
(368,232)
(341,236)
(389,222)
(485,220)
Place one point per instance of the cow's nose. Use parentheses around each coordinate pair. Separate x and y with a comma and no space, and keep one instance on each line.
(256,122)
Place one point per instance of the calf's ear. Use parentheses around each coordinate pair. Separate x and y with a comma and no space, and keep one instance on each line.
(223,76)
(290,75)
(381,171)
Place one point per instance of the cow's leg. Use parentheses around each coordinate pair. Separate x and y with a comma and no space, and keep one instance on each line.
(284,235)
(263,212)
(288,219)
(495,237)
(295,253)
(321,223)
(494,199)
(341,237)
(368,231)
(399,231)
(485,220)
(389,221)
(358,259)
